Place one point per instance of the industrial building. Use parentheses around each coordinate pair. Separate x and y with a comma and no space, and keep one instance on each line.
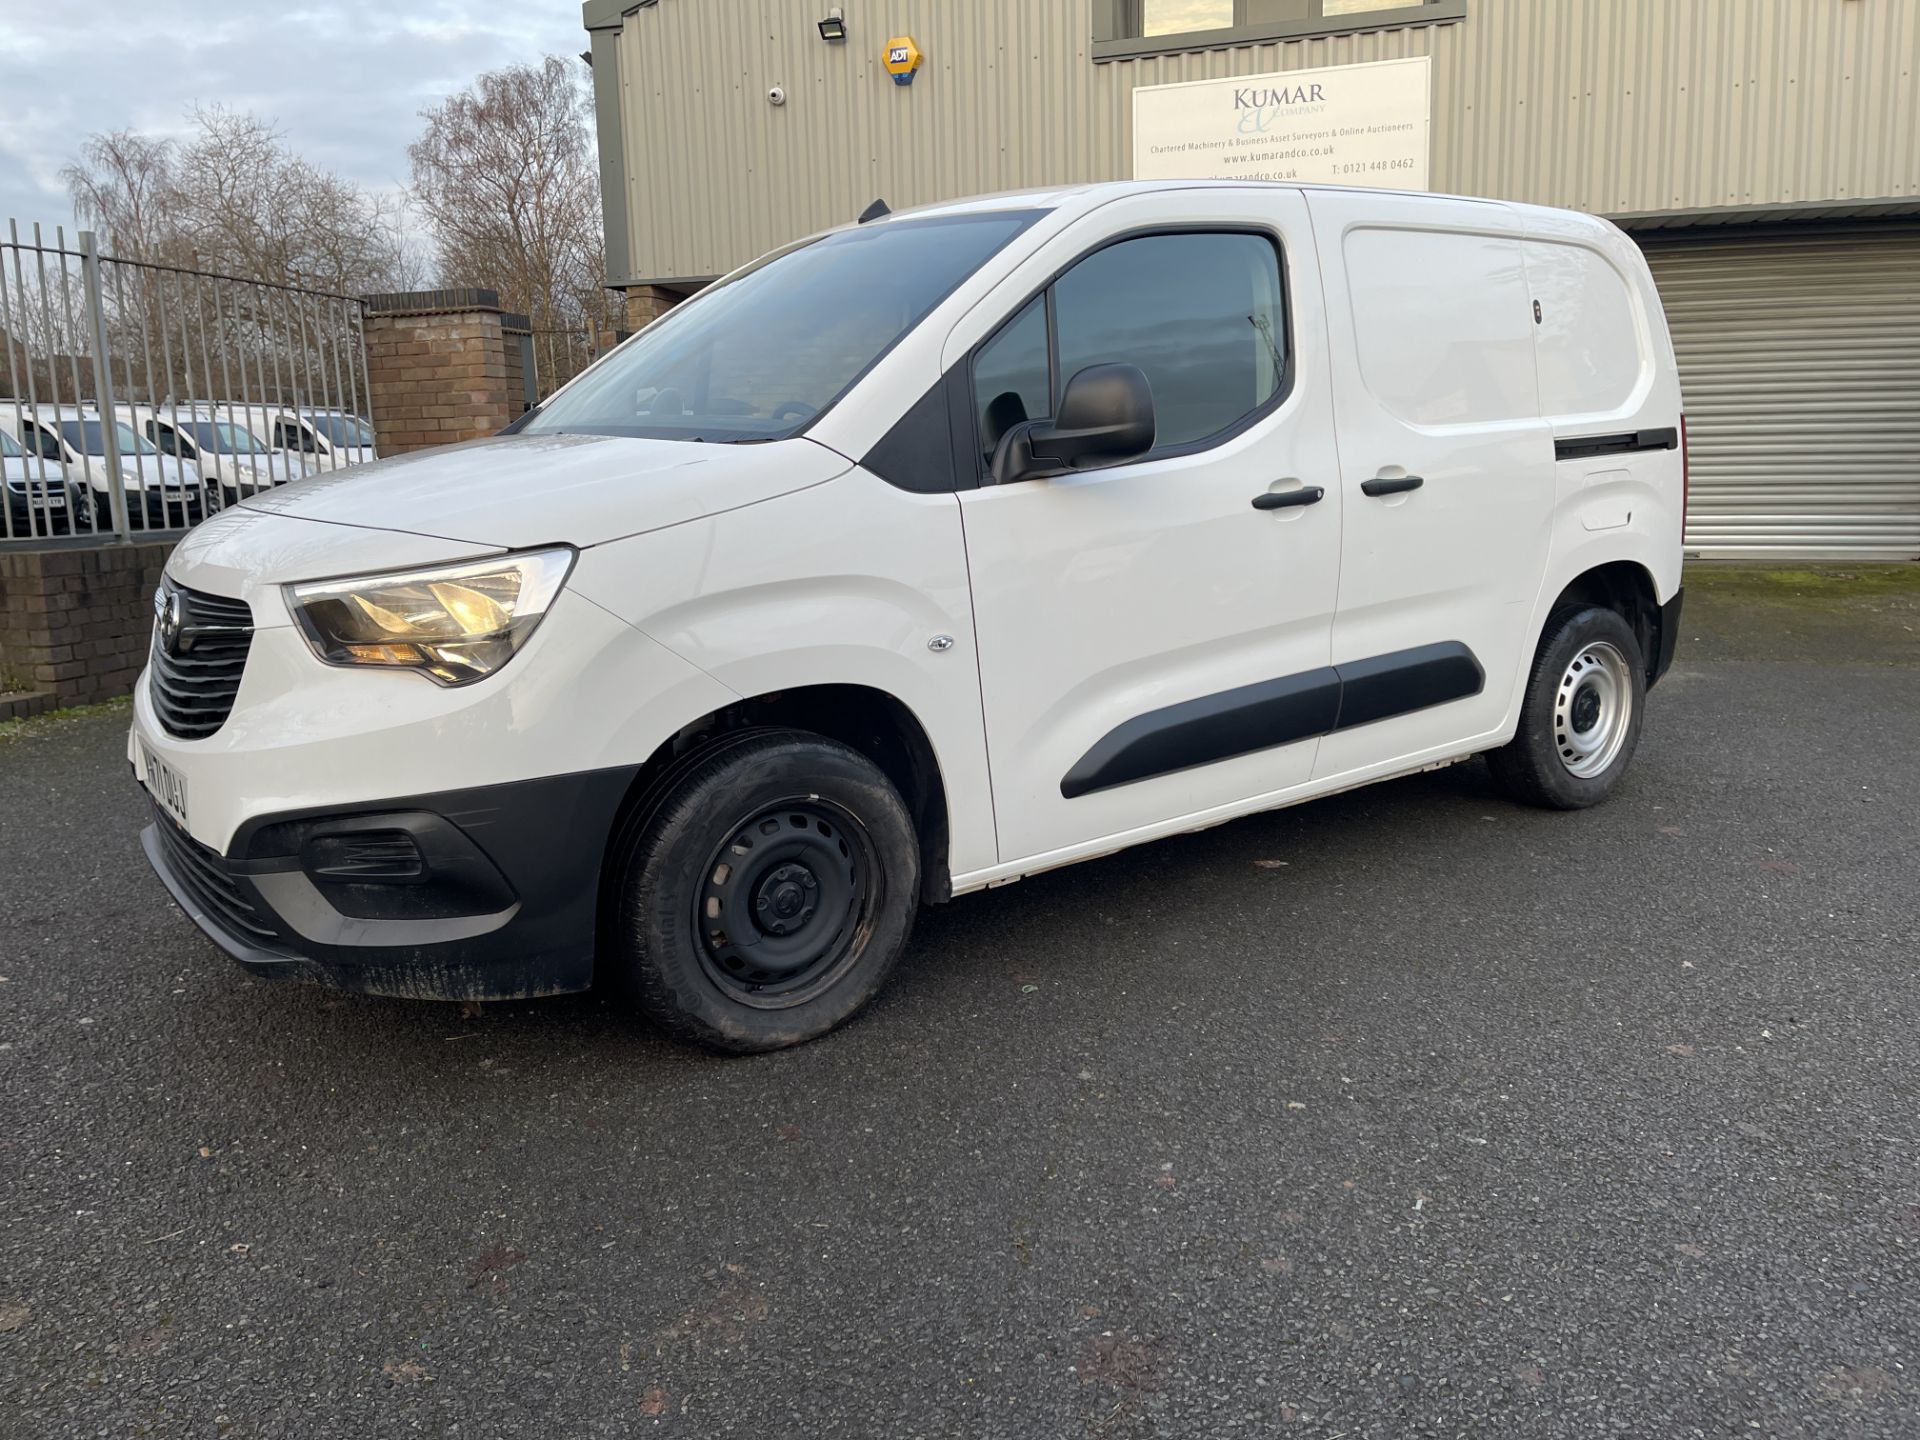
(1764,153)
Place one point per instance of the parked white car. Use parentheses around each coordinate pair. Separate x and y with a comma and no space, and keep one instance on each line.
(36,493)
(225,453)
(161,492)
(324,439)
(919,557)
(336,437)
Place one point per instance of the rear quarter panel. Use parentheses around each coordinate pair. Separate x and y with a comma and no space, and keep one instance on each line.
(1597,297)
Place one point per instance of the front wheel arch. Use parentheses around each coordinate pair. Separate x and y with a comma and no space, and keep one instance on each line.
(873,722)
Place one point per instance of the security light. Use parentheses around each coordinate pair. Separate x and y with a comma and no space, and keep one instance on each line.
(834,28)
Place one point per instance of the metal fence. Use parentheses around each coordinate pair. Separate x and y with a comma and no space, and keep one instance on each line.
(142,397)
(550,356)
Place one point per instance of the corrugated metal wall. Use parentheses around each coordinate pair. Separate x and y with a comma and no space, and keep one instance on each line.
(1611,106)
(1800,365)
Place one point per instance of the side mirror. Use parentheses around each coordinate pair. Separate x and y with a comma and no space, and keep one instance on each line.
(1106,418)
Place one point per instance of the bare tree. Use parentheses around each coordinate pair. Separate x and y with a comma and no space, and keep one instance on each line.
(235,199)
(254,208)
(122,185)
(231,199)
(506,180)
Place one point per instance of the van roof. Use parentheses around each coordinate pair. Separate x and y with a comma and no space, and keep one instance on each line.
(85,410)
(1094,194)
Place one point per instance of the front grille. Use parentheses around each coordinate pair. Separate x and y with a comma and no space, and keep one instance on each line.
(202,875)
(195,678)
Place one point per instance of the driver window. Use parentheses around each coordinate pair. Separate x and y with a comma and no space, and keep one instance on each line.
(1202,314)
(1012,381)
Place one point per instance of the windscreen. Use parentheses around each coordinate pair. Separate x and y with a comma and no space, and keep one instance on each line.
(86,437)
(223,439)
(761,356)
(347,430)
(9,448)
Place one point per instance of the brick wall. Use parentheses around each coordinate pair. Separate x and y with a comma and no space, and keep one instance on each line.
(438,369)
(75,622)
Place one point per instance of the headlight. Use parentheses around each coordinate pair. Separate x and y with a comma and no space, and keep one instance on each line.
(455,624)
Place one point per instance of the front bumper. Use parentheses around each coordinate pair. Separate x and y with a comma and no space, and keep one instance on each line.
(30,517)
(504,791)
(480,894)
(158,509)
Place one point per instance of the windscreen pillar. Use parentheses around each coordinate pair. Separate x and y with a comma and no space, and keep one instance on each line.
(440,368)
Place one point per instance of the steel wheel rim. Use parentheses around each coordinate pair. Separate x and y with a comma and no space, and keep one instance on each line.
(786,903)
(1593,709)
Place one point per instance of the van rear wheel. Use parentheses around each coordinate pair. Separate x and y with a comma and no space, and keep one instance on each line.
(767,894)
(1580,718)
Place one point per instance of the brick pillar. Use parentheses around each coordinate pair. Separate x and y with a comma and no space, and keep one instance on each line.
(437,368)
(647,303)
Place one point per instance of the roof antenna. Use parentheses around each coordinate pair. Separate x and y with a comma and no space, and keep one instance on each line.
(874,211)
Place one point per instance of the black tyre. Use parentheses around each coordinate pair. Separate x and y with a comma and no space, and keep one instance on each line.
(767,892)
(1580,720)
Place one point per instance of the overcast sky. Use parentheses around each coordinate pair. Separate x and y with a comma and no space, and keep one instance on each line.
(344,79)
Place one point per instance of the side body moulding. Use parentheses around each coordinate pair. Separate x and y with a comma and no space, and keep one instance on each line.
(1276,712)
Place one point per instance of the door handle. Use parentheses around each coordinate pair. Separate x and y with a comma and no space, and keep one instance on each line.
(1281,499)
(1391,487)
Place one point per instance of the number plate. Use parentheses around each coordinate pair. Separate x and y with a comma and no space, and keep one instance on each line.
(165,784)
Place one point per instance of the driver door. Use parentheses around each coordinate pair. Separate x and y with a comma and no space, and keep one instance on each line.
(1153,647)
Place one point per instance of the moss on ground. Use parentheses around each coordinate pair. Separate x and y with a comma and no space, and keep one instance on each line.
(1835,584)
(1816,614)
(40,724)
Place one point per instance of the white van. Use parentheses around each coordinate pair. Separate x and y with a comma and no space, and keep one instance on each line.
(226,454)
(916,558)
(324,439)
(161,492)
(36,495)
(336,437)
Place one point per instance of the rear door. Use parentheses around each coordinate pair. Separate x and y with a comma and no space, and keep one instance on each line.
(1153,644)
(1446,472)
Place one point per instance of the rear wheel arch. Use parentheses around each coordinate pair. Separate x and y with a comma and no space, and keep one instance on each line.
(1625,587)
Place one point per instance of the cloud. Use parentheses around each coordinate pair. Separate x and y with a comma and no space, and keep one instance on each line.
(344,81)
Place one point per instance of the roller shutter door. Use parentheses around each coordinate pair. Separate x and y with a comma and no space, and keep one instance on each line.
(1800,362)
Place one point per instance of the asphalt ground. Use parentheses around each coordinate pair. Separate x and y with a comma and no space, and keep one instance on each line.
(1406,1113)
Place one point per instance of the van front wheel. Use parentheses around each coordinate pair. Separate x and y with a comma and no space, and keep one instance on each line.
(768,894)
(1580,719)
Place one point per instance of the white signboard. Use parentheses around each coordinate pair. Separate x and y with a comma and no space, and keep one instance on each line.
(1345,125)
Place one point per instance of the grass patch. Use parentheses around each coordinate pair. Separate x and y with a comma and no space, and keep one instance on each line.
(54,719)
(1838,584)
(1834,614)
